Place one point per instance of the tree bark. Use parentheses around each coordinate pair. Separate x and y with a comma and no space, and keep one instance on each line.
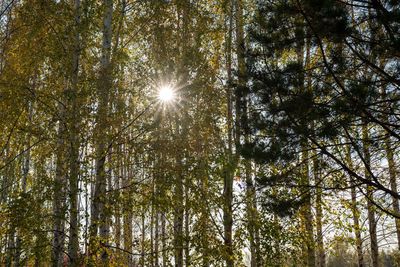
(393,184)
(242,114)
(25,172)
(392,171)
(163,241)
(100,213)
(187,221)
(143,249)
(356,212)
(229,168)
(306,211)
(59,192)
(127,217)
(370,199)
(321,261)
(181,131)
(74,165)
(178,211)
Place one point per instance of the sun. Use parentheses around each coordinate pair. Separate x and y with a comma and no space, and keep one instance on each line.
(166,94)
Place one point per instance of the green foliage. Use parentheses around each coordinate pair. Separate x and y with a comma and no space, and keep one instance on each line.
(316,72)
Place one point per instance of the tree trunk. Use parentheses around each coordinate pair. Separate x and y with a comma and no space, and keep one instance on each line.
(241,113)
(392,171)
(321,262)
(117,174)
(127,217)
(156,239)
(229,168)
(356,212)
(204,219)
(306,211)
(143,248)
(181,131)
(152,219)
(100,214)
(187,220)
(179,200)
(59,192)
(178,213)
(370,199)
(74,165)
(163,241)
(25,172)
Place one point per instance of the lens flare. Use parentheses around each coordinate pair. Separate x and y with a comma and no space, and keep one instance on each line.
(166,94)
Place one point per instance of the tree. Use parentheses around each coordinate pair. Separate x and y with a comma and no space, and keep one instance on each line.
(276,145)
(288,121)
(100,210)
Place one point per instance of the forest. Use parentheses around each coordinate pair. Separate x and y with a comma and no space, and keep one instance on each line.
(156,133)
